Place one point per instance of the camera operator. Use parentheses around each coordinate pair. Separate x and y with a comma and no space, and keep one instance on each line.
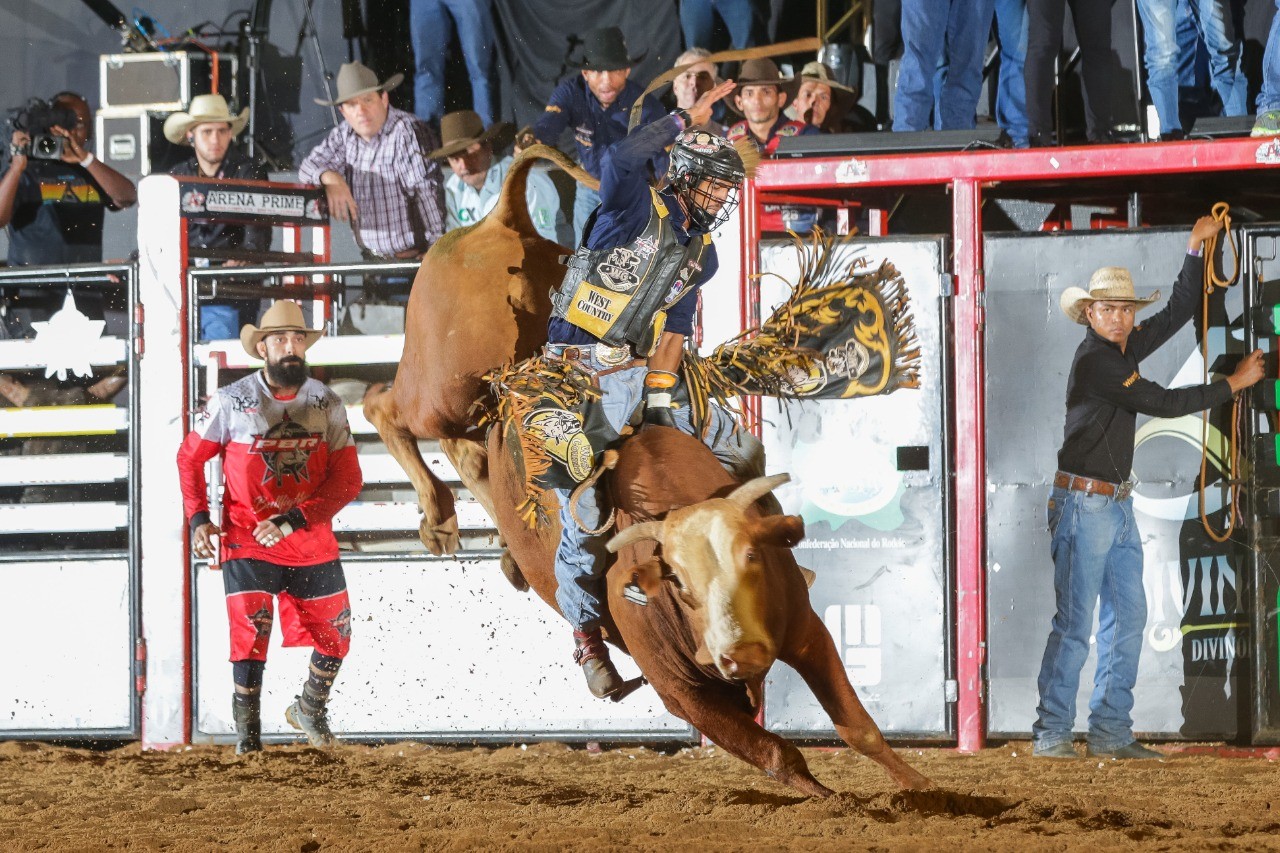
(54,208)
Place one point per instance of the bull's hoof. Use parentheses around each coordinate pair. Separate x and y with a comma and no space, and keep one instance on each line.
(512,572)
(443,538)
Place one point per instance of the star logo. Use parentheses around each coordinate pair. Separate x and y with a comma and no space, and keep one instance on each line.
(63,342)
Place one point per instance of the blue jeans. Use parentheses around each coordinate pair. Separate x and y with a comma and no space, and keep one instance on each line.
(1097,557)
(1269,97)
(1011,92)
(934,33)
(1161,56)
(585,200)
(581,559)
(697,21)
(221,321)
(429,33)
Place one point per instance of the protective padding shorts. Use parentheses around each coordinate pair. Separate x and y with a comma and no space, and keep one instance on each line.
(314,608)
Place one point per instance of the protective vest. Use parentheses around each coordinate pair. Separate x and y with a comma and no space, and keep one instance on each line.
(622,294)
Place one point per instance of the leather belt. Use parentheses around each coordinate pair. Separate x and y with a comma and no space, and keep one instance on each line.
(580,356)
(1107,489)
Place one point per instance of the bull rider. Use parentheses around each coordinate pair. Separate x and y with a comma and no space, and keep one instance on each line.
(623,313)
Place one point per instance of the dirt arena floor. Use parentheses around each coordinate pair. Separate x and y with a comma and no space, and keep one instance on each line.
(411,796)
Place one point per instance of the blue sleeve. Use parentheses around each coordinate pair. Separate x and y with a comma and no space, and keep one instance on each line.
(624,175)
(556,115)
(680,316)
(809,130)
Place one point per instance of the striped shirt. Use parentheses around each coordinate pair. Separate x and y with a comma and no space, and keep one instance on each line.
(398,191)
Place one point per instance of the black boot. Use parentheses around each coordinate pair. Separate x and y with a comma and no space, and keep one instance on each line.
(593,656)
(248,719)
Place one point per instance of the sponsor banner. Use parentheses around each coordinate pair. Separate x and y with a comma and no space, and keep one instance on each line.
(253,201)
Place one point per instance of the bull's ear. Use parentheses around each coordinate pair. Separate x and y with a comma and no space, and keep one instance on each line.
(784,531)
(808,576)
(751,491)
(648,575)
(634,533)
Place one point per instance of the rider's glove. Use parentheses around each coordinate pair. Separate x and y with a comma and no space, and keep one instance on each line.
(658,388)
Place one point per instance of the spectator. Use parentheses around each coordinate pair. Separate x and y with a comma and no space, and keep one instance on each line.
(742,18)
(596,105)
(375,171)
(760,97)
(1011,90)
(934,33)
(473,188)
(290,466)
(827,105)
(210,129)
(1268,120)
(693,81)
(54,208)
(1092,19)
(1214,21)
(429,32)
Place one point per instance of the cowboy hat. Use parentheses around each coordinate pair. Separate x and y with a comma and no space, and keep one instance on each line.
(282,316)
(205,109)
(1108,284)
(820,72)
(356,79)
(762,72)
(460,130)
(605,50)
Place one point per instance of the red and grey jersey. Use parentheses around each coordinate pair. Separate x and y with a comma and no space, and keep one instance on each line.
(279,455)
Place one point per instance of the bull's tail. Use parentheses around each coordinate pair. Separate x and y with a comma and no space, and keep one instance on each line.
(512,210)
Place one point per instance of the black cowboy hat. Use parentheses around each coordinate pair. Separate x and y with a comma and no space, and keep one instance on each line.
(605,50)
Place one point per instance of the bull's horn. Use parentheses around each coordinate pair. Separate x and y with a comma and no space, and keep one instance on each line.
(634,533)
(753,490)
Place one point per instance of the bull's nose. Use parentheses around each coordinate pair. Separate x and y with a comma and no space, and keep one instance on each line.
(746,660)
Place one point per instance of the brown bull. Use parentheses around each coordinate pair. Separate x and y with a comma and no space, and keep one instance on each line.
(725,599)
(481,299)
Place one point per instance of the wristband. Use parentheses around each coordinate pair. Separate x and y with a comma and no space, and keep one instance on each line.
(686,120)
(87,161)
(289,522)
(658,400)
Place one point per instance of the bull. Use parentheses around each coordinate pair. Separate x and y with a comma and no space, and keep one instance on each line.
(726,598)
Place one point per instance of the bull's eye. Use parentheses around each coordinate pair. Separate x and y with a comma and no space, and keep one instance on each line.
(751,555)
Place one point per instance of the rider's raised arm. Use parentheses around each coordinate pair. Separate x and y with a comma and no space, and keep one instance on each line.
(625,171)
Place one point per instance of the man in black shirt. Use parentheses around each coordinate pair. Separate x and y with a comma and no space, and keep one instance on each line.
(210,129)
(1097,553)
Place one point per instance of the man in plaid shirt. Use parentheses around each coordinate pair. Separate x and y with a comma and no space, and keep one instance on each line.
(375,170)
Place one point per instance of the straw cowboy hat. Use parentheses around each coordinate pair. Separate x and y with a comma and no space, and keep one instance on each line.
(205,109)
(1108,284)
(460,130)
(282,316)
(606,50)
(820,72)
(355,79)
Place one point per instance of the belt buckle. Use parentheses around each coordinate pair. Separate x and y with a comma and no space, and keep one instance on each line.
(611,356)
(1124,490)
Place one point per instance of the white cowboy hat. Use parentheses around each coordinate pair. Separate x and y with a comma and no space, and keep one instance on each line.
(204,109)
(1108,284)
(282,316)
(356,79)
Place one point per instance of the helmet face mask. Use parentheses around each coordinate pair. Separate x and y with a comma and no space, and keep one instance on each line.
(706,173)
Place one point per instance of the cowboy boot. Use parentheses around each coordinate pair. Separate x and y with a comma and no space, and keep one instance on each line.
(593,656)
(248,720)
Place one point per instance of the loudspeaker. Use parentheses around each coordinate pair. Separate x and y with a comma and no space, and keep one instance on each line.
(1221,127)
(844,144)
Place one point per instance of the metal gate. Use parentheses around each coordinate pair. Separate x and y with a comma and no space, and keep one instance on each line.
(68,497)
(871,480)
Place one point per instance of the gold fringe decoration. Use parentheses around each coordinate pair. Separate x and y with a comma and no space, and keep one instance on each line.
(517,390)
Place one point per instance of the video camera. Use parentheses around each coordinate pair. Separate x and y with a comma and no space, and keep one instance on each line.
(35,118)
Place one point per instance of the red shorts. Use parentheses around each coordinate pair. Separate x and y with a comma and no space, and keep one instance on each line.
(314,608)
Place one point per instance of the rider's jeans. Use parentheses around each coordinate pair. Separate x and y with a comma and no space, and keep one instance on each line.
(582,559)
